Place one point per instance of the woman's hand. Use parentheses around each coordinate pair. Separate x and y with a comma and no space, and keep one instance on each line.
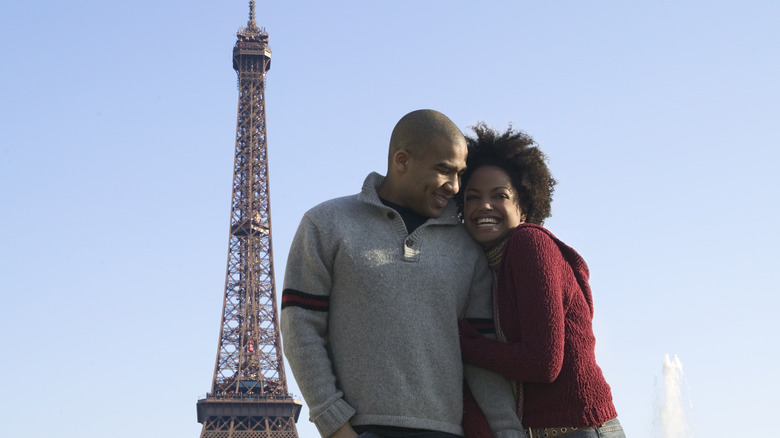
(467,331)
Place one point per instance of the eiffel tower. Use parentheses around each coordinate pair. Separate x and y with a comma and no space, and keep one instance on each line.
(248,397)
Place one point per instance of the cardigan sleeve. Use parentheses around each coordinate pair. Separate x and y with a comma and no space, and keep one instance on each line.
(534,271)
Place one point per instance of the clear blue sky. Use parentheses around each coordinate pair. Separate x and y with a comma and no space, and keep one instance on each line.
(117,125)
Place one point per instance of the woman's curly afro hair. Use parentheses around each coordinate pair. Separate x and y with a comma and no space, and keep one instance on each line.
(516,153)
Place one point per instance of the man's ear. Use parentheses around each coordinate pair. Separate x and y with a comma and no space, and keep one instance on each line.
(401,160)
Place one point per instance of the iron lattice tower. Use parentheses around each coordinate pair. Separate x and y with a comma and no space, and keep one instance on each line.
(248,397)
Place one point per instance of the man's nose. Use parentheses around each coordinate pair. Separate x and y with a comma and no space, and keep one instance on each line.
(454,183)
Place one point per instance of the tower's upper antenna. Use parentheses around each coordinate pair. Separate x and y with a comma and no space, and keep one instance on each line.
(251,31)
(252,23)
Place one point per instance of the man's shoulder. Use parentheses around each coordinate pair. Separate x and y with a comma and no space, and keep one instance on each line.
(338,210)
(346,204)
(333,204)
(458,232)
(459,242)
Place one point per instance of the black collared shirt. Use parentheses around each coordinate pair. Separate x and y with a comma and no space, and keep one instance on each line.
(411,218)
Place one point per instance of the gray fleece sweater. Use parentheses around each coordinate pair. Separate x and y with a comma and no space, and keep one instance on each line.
(369,318)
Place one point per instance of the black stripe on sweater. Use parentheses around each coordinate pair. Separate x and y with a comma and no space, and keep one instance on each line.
(296,298)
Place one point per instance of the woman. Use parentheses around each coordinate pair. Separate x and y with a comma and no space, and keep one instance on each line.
(543,304)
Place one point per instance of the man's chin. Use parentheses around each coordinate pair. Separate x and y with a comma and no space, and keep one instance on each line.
(435,212)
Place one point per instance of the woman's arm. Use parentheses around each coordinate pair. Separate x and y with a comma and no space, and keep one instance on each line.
(535,272)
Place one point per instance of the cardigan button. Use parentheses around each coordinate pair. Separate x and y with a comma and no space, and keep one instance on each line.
(390,215)
(410,243)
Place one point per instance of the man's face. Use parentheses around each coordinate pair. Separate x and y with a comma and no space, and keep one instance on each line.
(433,177)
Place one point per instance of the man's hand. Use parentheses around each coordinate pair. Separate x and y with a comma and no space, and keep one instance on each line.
(345,431)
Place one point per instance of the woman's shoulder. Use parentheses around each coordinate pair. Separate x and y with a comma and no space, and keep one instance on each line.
(532,233)
(531,239)
(534,239)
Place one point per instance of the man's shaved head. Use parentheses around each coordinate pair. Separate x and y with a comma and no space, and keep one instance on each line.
(419,129)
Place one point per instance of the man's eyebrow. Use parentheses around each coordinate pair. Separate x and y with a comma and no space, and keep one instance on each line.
(447,166)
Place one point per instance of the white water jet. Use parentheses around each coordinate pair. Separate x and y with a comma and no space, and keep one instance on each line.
(672,409)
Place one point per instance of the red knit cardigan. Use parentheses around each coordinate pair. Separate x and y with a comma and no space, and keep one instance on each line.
(545,310)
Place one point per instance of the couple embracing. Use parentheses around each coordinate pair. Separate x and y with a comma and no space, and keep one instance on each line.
(390,303)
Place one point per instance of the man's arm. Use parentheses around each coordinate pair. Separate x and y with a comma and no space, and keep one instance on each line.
(496,399)
(304,327)
(493,393)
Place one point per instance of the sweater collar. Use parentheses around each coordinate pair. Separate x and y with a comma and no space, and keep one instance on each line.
(369,194)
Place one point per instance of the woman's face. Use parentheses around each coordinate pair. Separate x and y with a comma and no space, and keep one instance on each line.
(491,208)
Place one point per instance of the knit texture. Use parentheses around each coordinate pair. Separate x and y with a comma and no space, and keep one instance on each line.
(369,314)
(545,310)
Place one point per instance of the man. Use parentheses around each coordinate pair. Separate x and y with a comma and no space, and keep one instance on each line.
(374,286)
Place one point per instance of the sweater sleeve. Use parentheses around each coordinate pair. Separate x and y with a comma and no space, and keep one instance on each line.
(493,393)
(534,271)
(304,327)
